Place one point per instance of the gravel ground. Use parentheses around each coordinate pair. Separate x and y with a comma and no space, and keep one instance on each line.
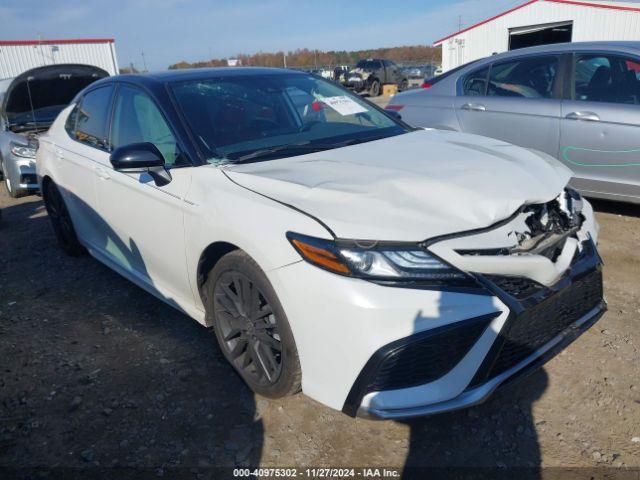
(96,372)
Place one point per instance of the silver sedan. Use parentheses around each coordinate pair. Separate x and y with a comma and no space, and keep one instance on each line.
(579,102)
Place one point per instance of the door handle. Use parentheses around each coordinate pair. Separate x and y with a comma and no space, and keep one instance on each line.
(102,173)
(476,107)
(584,116)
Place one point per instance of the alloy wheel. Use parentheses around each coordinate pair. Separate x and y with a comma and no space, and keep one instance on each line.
(248,328)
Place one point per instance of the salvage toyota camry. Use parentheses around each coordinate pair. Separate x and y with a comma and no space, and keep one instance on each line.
(385,271)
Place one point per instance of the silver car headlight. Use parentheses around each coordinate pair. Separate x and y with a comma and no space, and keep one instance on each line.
(380,262)
(23,151)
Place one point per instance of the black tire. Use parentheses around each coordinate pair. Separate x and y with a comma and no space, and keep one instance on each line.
(374,90)
(404,85)
(61,220)
(251,327)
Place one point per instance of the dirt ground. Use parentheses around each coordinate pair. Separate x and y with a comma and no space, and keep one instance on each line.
(97,373)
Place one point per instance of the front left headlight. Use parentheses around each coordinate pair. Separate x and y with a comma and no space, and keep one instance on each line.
(23,151)
(380,262)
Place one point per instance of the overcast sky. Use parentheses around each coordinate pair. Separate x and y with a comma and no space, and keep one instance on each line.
(172,30)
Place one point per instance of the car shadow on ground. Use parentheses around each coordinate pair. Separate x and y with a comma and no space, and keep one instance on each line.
(615,208)
(99,374)
(493,440)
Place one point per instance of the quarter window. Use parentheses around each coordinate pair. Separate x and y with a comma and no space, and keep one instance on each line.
(531,77)
(137,119)
(607,78)
(93,118)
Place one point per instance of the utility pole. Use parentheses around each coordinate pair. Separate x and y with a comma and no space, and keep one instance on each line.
(315,57)
(284,59)
(144,62)
(459,22)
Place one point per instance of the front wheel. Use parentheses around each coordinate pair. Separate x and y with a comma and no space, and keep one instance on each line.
(61,220)
(251,326)
(374,90)
(404,85)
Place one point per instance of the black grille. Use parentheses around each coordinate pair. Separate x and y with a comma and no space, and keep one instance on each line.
(518,287)
(424,357)
(538,325)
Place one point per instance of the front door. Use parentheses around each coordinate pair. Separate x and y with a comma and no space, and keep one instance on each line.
(146,220)
(516,101)
(600,135)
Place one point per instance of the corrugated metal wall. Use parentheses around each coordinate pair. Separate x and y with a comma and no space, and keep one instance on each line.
(589,24)
(16,59)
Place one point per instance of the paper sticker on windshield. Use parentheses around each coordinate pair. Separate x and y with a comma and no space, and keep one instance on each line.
(344,105)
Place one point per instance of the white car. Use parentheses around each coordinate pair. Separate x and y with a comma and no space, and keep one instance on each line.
(385,271)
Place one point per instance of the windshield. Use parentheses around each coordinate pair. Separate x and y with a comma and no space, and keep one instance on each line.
(368,64)
(236,116)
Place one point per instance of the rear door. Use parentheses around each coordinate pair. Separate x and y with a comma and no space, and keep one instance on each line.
(516,100)
(78,156)
(146,236)
(600,136)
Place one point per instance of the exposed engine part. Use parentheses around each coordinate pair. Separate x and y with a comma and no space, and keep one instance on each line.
(548,227)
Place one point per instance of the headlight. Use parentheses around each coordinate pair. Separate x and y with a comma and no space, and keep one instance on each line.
(384,263)
(23,151)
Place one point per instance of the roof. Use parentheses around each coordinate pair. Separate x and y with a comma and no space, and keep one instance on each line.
(64,41)
(621,6)
(616,46)
(201,73)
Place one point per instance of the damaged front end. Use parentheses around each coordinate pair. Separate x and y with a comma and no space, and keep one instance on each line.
(358,79)
(546,228)
(538,242)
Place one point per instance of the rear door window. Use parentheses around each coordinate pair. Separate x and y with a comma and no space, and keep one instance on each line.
(92,123)
(530,77)
(607,78)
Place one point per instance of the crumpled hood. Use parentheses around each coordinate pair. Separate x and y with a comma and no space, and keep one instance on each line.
(410,187)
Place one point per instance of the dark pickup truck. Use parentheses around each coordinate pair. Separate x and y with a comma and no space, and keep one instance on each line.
(369,75)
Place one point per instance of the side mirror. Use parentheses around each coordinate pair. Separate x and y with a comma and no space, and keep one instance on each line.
(141,157)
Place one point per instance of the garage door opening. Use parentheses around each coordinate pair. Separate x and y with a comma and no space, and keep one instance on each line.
(540,35)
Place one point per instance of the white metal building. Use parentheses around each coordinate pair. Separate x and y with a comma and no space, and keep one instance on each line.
(18,56)
(540,22)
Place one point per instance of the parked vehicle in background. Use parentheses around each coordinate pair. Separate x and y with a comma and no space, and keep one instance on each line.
(387,271)
(29,103)
(579,102)
(368,76)
(339,73)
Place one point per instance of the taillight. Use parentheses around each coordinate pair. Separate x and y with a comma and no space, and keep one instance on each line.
(395,108)
(426,85)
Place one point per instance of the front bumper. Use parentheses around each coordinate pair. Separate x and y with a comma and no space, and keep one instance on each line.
(21,172)
(541,323)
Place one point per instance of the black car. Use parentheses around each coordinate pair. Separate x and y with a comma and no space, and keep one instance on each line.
(369,75)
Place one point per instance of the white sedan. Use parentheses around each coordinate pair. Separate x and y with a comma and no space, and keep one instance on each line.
(385,271)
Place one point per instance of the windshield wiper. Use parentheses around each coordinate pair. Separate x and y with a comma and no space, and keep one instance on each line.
(265,152)
(306,146)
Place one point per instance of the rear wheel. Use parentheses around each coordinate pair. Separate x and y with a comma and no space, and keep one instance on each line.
(61,220)
(251,326)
